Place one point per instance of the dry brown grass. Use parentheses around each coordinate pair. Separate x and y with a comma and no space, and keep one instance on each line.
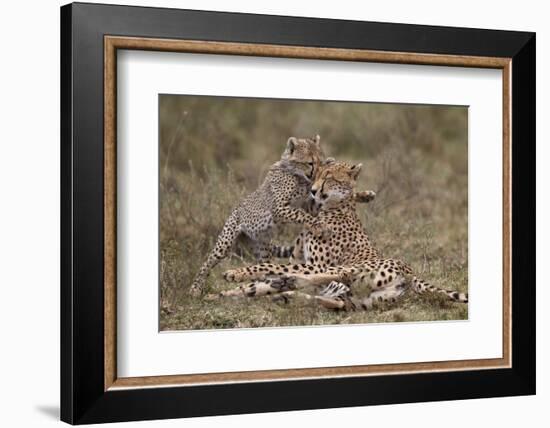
(213,151)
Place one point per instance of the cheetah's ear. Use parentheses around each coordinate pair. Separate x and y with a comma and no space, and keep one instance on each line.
(291,144)
(355,170)
(317,139)
(328,161)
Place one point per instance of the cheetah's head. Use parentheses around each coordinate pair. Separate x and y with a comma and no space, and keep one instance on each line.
(304,155)
(334,183)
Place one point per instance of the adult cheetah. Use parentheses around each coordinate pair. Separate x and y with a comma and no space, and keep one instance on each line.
(343,262)
(281,198)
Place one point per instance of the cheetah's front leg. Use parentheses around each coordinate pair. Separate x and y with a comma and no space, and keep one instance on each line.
(262,270)
(248,273)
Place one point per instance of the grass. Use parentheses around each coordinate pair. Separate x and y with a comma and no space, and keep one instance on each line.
(213,151)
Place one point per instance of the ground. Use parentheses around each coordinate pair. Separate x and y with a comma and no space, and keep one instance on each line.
(213,152)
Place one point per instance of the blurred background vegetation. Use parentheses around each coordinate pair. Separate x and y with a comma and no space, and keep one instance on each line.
(215,150)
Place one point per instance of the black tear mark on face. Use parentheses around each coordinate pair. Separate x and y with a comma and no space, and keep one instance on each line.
(312,169)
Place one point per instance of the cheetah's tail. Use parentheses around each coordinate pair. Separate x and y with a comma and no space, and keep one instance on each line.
(419,286)
(282,251)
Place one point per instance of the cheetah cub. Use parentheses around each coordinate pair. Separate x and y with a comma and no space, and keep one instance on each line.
(283,197)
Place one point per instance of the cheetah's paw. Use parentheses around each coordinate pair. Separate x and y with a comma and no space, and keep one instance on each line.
(365,196)
(234,275)
(283,283)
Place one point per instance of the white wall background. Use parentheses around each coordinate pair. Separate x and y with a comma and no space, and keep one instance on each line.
(29,214)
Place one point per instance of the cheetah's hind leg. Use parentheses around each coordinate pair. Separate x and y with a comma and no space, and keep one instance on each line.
(336,295)
(390,294)
(258,288)
(339,296)
(333,296)
(224,244)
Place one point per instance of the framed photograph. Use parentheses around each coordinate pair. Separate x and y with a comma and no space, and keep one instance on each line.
(266,213)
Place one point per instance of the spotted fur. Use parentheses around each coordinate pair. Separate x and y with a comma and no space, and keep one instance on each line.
(281,198)
(346,259)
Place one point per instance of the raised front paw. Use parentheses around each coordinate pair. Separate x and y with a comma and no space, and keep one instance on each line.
(365,196)
(283,283)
